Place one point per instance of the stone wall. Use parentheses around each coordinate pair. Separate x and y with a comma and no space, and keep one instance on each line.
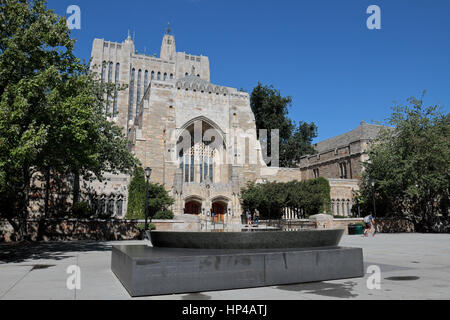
(74,230)
(391,225)
(384,225)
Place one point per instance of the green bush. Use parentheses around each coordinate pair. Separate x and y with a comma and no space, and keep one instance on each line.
(164,215)
(82,210)
(158,197)
(141,226)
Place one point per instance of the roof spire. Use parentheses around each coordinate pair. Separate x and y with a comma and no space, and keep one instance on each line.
(169,29)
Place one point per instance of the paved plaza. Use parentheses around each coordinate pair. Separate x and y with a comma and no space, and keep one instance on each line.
(413,266)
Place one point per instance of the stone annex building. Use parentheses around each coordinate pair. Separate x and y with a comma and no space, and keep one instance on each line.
(199,138)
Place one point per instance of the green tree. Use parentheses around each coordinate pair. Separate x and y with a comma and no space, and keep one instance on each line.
(271,111)
(51,110)
(270,198)
(136,195)
(410,165)
(159,198)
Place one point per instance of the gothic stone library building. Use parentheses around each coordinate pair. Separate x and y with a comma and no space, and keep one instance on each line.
(199,138)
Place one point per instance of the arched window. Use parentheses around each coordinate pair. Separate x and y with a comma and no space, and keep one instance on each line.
(171,76)
(165,76)
(199,160)
(101,206)
(343,207)
(186,74)
(131,101)
(110,209)
(138,100)
(153,75)
(337,207)
(115,89)
(159,76)
(119,207)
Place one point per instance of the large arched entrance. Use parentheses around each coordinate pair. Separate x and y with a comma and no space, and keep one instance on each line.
(219,208)
(192,207)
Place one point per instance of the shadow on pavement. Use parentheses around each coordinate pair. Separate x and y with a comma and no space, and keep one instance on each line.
(21,252)
(196,296)
(335,290)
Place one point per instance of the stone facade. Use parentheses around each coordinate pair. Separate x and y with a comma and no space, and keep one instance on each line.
(75,230)
(199,138)
(340,160)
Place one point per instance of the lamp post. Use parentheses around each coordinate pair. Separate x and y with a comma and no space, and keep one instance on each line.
(359,208)
(148,172)
(372,183)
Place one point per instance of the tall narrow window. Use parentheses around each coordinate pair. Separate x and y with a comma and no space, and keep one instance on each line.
(138,100)
(165,76)
(119,208)
(145,80)
(115,89)
(159,76)
(211,171)
(186,169)
(192,168)
(110,73)
(131,101)
(103,71)
(110,210)
(153,75)
(205,168)
(171,76)
(201,169)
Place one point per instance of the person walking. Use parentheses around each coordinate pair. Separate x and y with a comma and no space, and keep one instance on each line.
(369,221)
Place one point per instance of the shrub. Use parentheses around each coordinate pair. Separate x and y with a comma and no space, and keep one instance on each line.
(159,198)
(82,210)
(141,226)
(164,215)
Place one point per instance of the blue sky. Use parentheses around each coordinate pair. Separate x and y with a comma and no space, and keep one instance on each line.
(320,52)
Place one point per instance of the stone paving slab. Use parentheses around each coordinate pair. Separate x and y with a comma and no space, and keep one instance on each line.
(398,255)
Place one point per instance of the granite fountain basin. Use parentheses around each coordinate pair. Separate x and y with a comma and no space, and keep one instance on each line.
(248,240)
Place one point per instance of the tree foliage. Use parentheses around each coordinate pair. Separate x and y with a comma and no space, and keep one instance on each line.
(410,164)
(52,118)
(271,113)
(270,198)
(159,198)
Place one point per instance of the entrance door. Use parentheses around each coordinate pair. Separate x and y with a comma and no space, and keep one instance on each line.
(192,207)
(219,209)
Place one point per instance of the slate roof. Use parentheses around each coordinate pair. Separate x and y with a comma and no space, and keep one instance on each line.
(364,132)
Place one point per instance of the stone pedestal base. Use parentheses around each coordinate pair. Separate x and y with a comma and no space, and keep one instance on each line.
(147,271)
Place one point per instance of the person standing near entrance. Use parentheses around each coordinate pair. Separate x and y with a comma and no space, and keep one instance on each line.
(249,217)
(256,216)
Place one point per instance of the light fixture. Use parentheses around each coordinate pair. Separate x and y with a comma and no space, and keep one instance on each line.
(148,172)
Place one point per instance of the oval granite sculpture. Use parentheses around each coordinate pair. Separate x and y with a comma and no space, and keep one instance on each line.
(248,240)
